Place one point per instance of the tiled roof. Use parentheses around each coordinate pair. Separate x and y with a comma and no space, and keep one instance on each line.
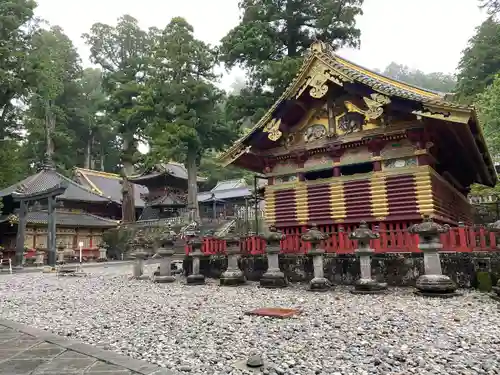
(229,184)
(174,169)
(49,178)
(108,185)
(239,192)
(167,200)
(319,52)
(66,218)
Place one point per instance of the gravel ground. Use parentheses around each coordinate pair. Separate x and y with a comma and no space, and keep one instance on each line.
(203,329)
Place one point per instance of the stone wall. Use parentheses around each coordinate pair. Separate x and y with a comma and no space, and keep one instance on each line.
(397,269)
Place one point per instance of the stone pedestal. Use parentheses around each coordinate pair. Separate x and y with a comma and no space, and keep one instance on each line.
(60,256)
(366,285)
(319,283)
(232,276)
(433,283)
(196,278)
(165,270)
(314,237)
(40,258)
(273,277)
(138,266)
(103,253)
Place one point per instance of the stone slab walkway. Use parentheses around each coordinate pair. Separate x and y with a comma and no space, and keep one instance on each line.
(29,351)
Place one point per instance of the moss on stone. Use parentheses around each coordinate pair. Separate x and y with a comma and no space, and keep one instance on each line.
(484,282)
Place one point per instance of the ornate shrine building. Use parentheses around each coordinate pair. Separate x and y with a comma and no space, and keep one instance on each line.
(109,185)
(345,144)
(82,215)
(167,185)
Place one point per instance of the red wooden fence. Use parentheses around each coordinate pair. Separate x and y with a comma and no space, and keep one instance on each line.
(394,238)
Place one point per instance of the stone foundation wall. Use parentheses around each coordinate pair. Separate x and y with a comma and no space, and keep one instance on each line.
(401,269)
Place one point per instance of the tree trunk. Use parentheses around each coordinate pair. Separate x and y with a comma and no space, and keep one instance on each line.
(192,170)
(102,158)
(88,153)
(128,204)
(50,124)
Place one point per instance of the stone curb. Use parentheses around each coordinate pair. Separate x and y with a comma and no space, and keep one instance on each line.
(138,366)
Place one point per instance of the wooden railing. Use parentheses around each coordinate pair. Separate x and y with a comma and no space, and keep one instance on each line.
(392,240)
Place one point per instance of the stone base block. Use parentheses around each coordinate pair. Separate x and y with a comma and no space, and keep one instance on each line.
(142,277)
(369,286)
(163,279)
(232,278)
(273,280)
(437,295)
(197,279)
(48,269)
(435,284)
(319,284)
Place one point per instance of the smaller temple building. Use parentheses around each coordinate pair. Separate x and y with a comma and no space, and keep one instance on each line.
(226,199)
(82,215)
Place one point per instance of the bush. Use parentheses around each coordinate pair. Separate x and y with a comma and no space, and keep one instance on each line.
(116,242)
(484,282)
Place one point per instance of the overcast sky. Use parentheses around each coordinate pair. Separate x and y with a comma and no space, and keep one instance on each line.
(424,34)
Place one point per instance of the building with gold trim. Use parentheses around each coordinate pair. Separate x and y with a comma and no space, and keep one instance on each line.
(344,144)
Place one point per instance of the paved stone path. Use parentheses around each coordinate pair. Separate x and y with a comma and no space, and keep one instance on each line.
(29,351)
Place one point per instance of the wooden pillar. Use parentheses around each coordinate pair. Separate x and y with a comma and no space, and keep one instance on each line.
(21,232)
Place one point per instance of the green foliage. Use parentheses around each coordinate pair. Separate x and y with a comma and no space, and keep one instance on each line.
(210,169)
(484,282)
(479,63)
(270,40)
(492,6)
(187,108)
(123,53)
(15,34)
(431,81)
(488,107)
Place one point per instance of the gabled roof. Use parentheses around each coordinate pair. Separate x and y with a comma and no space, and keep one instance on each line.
(238,192)
(49,178)
(108,185)
(229,184)
(171,168)
(67,218)
(322,67)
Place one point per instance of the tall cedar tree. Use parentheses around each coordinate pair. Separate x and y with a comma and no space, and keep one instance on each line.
(53,70)
(16,27)
(187,106)
(271,39)
(123,53)
(479,63)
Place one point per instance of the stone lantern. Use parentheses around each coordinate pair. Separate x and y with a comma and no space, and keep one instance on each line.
(366,285)
(273,277)
(314,237)
(433,283)
(139,242)
(495,228)
(165,252)
(232,275)
(60,253)
(40,257)
(196,278)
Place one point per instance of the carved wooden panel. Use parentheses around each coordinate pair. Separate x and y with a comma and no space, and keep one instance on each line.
(28,241)
(41,241)
(356,155)
(283,166)
(396,149)
(284,179)
(400,163)
(316,160)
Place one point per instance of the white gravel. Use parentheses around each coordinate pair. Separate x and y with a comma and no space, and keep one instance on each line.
(203,329)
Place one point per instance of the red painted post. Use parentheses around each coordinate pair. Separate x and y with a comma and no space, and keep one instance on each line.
(462,238)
